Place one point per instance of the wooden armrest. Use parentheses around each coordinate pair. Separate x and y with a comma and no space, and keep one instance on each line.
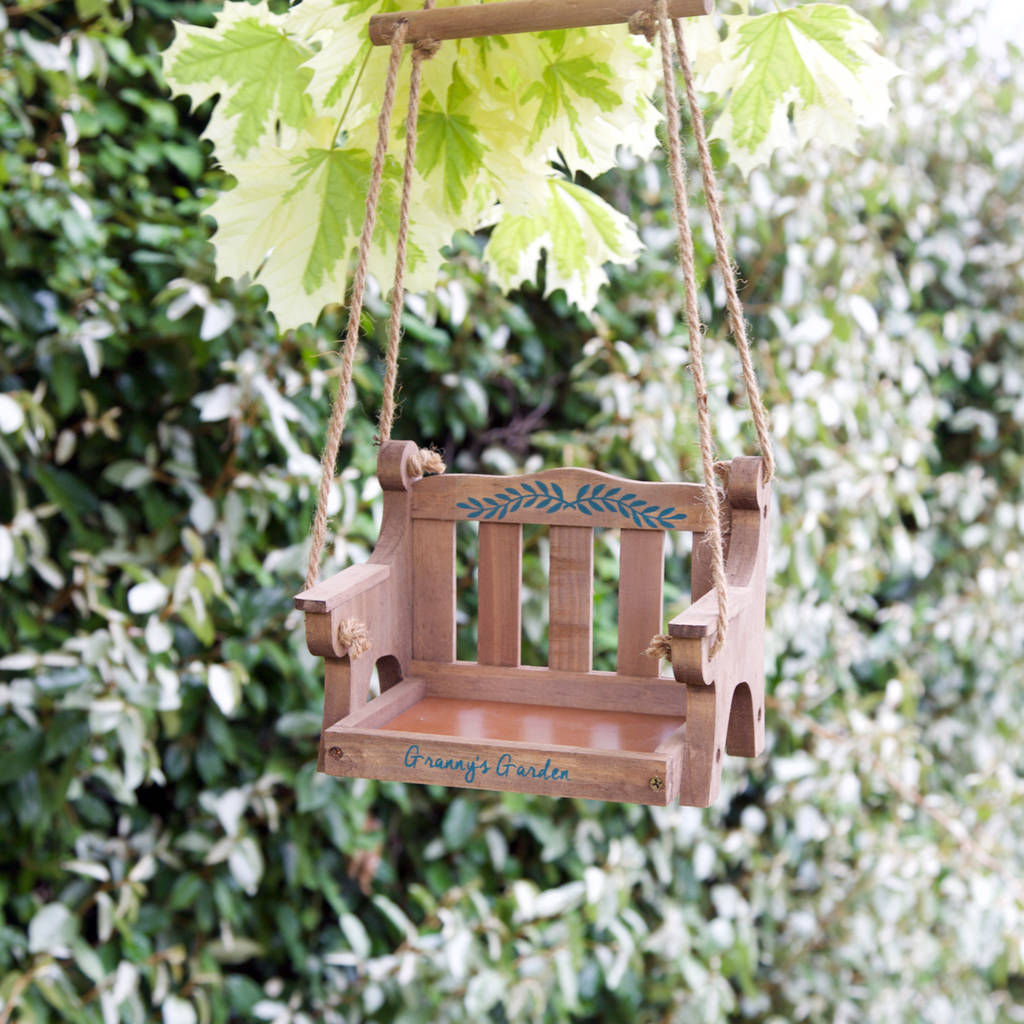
(341,587)
(700,620)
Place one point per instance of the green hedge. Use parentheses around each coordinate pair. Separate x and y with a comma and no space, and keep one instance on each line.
(170,854)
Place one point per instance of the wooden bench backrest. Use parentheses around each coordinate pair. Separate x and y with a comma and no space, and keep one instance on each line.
(571,502)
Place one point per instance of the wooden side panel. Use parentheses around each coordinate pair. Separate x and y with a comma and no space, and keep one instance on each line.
(499,618)
(571,615)
(433,572)
(561,497)
(725,691)
(641,577)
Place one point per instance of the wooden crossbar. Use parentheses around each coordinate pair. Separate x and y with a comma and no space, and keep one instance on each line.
(513,16)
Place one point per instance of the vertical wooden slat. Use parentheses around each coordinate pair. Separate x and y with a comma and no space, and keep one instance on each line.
(433,612)
(571,616)
(641,575)
(499,618)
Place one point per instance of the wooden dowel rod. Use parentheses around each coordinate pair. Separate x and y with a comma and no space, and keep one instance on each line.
(507,18)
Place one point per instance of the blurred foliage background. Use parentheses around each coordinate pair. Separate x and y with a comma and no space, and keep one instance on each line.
(169,853)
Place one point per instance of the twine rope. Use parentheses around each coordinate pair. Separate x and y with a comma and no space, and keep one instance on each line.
(423,50)
(339,410)
(734,306)
(685,251)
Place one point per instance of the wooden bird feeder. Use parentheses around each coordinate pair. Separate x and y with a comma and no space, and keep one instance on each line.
(561,729)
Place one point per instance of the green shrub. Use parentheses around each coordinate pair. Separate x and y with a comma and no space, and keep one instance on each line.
(170,853)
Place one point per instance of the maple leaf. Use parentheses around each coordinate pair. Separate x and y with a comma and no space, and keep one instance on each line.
(795,75)
(253,63)
(449,140)
(580,233)
(297,118)
(292,222)
(563,84)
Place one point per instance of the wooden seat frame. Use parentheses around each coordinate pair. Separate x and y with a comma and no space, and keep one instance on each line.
(564,729)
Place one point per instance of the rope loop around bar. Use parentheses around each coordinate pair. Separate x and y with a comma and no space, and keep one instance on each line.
(426,48)
(643,23)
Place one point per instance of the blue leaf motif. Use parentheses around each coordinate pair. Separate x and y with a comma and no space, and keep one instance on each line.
(551,499)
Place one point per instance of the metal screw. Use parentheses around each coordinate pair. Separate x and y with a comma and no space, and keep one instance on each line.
(337,753)
(656,783)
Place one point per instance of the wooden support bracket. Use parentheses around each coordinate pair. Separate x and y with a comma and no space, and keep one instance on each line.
(512,16)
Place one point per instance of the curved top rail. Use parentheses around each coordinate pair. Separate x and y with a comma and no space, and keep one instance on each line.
(561,497)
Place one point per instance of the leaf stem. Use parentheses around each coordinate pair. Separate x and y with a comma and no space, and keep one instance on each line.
(351,97)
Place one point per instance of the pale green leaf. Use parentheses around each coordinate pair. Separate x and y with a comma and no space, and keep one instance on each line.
(256,67)
(580,233)
(294,219)
(11,416)
(563,84)
(809,72)
(51,929)
(344,46)
(335,182)
(290,224)
(449,144)
(178,1011)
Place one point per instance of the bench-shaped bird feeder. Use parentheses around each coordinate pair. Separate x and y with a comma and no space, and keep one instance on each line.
(565,729)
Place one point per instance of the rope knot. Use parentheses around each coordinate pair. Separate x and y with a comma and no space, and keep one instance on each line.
(426,48)
(643,23)
(659,647)
(354,635)
(425,461)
